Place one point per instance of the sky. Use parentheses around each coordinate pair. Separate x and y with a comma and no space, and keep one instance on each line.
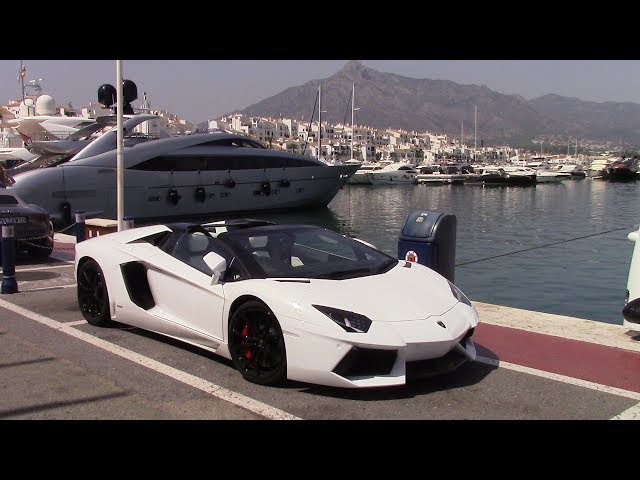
(199,90)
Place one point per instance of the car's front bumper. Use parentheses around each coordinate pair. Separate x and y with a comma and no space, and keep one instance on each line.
(389,354)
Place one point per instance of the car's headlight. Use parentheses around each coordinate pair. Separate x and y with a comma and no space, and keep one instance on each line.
(350,321)
(459,295)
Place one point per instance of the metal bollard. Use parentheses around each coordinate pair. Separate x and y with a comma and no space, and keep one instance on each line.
(9,284)
(80,226)
(127,223)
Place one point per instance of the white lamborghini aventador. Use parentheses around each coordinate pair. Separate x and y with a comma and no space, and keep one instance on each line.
(282,302)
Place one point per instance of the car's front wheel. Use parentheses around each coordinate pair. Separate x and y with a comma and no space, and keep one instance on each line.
(93,297)
(257,345)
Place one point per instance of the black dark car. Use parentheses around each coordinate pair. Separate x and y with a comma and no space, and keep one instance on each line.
(33,228)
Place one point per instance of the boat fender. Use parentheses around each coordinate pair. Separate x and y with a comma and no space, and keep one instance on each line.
(173,197)
(200,194)
(285,183)
(266,188)
(230,183)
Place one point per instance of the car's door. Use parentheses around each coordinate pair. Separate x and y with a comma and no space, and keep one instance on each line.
(186,304)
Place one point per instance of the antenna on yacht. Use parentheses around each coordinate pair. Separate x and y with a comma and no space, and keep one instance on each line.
(21,74)
(35,84)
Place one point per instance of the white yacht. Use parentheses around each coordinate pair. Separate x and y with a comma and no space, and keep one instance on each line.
(394,173)
(361,177)
(551,176)
(190,175)
(33,119)
(574,170)
(15,156)
(444,174)
(520,170)
(41,122)
(498,175)
(599,167)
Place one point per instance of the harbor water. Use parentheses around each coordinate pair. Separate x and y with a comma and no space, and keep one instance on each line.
(556,248)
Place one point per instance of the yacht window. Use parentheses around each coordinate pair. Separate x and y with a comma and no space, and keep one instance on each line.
(236,142)
(172,164)
(220,162)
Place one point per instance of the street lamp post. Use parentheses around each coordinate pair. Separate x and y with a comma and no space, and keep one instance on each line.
(119,180)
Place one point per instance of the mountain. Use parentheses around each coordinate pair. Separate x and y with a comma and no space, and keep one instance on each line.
(604,121)
(387,100)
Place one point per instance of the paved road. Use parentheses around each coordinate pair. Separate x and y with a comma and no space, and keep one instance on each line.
(53,365)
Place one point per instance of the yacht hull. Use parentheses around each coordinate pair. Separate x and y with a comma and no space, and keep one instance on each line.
(622,175)
(508,180)
(441,179)
(152,195)
(359,179)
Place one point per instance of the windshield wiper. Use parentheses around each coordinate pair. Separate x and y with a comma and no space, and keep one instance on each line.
(342,274)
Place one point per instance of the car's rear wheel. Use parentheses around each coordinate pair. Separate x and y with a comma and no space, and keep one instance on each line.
(257,345)
(93,297)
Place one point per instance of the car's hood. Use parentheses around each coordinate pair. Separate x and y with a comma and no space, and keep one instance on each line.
(400,294)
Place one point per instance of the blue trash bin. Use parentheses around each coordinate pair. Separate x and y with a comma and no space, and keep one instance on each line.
(429,238)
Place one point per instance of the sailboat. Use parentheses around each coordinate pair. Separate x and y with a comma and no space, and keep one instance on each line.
(362,174)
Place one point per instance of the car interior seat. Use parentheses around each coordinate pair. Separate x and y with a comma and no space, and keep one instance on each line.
(192,248)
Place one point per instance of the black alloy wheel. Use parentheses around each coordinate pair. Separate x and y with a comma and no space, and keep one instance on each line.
(257,345)
(93,297)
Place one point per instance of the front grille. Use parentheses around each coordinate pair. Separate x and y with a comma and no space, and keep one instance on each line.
(436,366)
(366,362)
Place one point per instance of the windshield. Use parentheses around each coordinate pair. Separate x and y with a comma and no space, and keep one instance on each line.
(306,252)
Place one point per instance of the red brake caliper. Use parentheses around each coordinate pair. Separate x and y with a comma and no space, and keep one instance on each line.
(247,352)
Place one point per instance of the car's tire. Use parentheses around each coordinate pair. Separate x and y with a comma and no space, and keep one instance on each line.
(256,344)
(40,248)
(93,298)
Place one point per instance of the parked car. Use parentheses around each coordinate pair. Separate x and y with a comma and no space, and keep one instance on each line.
(631,309)
(281,302)
(33,228)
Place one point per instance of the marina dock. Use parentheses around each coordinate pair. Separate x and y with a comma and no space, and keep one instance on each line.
(530,366)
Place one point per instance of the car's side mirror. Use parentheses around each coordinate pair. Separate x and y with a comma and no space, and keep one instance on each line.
(631,311)
(217,264)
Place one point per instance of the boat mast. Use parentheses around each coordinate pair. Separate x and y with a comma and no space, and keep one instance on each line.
(319,122)
(461,136)
(353,95)
(353,109)
(475,128)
